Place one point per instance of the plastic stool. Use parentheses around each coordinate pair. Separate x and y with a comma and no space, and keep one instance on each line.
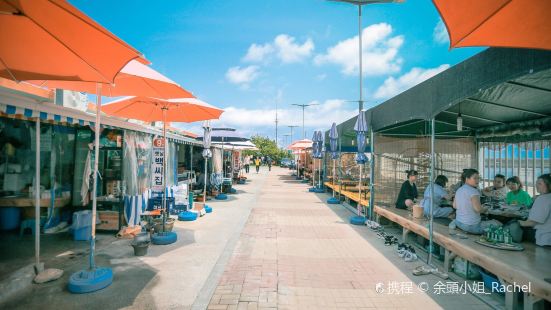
(28,223)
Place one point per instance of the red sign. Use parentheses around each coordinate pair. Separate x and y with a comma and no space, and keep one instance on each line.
(158,142)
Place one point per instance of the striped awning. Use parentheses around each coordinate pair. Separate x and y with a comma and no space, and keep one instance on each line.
(26,113)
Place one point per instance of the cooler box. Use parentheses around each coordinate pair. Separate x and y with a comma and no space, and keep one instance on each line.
(82,225)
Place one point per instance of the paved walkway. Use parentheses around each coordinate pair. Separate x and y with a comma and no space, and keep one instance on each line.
(295,252)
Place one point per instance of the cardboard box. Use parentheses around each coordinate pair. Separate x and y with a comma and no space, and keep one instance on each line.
(109,220)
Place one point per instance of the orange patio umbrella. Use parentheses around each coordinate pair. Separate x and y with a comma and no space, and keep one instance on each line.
(172,110)
(52,40)
(149,109)
(134,79)
(500,23)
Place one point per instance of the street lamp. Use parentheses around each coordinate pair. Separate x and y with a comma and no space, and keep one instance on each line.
(292,126)
(303,107)
(285,138)
(359,3)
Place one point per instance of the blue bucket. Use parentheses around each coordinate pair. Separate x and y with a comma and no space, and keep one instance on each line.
(9,218)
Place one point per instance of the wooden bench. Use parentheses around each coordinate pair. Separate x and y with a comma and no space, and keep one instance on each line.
(528,267)
(354,196)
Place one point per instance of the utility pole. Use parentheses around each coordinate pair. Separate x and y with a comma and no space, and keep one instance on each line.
(292,136)
(303,106)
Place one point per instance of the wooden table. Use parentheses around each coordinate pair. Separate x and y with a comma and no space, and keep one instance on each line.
(25,202)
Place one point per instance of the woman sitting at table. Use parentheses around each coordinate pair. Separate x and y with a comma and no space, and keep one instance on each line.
(468,206)
(440,195)
(498,190)
(516,195)
(408,191)
(540,214)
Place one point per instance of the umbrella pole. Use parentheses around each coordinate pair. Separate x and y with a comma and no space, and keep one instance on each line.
(95,178)
(164,167)
(372,174)
(37,198)
(333,178)
(205,185)
(360,193)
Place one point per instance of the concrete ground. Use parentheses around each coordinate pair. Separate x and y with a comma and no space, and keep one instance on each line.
(297,252)
(273,245)
(169,277)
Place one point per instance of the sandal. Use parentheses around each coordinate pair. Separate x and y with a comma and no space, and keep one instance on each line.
(421,271)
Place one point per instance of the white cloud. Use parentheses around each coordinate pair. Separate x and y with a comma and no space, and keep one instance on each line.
(288,51)
(380,52)
(262,120)
(284,47)
(258,52)
(393,86)
(440,33)
(242,76)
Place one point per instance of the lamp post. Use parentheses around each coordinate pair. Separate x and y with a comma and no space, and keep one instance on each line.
(292,127)
(303,106)
(360,3)
(285,137)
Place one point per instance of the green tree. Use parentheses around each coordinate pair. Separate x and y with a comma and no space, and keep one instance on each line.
(266,147)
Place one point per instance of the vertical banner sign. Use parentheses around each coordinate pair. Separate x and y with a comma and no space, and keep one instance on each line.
(157,164)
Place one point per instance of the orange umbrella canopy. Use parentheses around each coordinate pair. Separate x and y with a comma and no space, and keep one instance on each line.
(152,109)
(52,40)
(300,145)
(134,79)
(500,23)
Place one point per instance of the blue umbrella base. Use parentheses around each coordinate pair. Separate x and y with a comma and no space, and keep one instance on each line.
(241,182)
(312,189)
(164,238)
(357,220)
(233,191)
(208,209)
(221,196)
(187,216)
(87,281)
(319,190)
(333,200)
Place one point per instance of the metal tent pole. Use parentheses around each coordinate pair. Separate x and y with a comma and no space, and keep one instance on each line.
(371,173)
(205,185)
(432,153)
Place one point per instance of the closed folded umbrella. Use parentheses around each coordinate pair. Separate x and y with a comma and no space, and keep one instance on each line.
(333,146)
(499,23)
(206,153)
(361,129)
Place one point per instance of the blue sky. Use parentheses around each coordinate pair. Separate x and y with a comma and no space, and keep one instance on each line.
(247,55)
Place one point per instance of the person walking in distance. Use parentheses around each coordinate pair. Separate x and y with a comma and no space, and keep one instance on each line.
(247,163)
(269,161)
(257,162)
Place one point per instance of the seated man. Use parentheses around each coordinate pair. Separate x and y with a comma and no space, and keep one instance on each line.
(200,181)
